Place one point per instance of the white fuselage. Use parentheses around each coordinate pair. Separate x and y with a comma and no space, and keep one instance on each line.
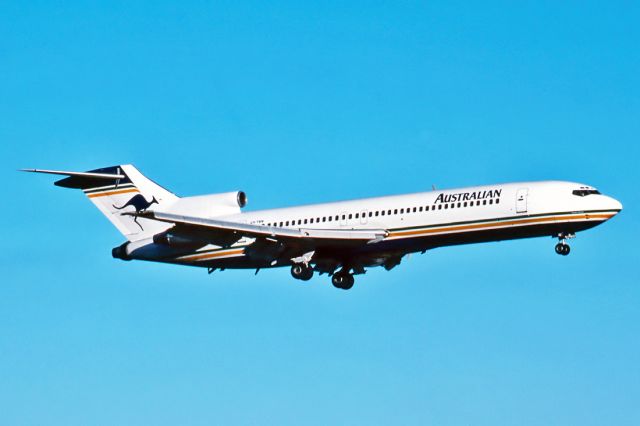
(435,218)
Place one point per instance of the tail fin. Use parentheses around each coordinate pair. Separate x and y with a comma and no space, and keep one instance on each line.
(118,189)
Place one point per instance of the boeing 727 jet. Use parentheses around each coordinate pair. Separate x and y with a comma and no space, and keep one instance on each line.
(340,239)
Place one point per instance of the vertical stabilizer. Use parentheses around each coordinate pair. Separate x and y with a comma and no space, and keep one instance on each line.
(120,189)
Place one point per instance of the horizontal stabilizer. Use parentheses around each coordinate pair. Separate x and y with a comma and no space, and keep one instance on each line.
(81,180)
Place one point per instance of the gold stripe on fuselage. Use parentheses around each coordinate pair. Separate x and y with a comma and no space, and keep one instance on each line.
(507,223)
(214,255)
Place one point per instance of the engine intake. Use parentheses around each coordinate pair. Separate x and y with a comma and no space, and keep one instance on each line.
(242,199)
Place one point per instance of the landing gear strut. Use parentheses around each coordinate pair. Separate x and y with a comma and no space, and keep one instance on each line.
(342,279)
(562,248)
(301,271)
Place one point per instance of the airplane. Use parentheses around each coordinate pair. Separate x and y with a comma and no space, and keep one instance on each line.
(340,239)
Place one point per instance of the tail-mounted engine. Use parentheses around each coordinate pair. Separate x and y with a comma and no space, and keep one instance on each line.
(208,205)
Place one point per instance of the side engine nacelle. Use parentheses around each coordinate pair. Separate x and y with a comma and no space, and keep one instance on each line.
(208,205)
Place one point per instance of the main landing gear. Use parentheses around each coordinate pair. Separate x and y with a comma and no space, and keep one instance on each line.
(301,271)
(342,279)
(562,248)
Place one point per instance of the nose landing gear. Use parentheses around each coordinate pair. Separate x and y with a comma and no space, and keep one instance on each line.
(562,248)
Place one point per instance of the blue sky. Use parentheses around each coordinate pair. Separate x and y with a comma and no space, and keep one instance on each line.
(297,103)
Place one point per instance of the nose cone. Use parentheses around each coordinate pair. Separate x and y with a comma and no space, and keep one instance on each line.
(613,204)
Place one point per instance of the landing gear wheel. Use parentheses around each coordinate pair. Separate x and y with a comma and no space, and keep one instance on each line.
(300,271)
(563,249)
(349,283)
(342,280)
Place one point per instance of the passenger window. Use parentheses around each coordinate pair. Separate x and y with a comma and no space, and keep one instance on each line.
(420,208)
(465,204)
(497,200)
(305,221)
(459,205)
(357,215)
(382,212)
(446,206)
(395,211)
(484,202)
(377,213)
(350,215)
(439,206)
(311,220)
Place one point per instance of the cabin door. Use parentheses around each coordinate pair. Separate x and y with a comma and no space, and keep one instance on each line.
(521,200)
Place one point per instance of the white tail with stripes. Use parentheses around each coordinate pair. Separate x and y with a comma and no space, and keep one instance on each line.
(120,189)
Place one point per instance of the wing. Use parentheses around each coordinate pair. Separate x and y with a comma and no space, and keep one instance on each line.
(271,243)
(237,230)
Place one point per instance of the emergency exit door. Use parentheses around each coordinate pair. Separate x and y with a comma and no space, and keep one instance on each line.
(521,200)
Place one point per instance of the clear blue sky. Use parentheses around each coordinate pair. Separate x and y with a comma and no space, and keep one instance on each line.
(297,103)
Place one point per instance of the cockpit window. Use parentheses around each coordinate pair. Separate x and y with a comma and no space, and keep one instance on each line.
(585,192)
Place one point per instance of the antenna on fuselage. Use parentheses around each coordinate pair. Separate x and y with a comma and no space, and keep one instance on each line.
(433,187)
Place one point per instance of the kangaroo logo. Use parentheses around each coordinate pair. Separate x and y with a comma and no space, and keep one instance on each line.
(139,203)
